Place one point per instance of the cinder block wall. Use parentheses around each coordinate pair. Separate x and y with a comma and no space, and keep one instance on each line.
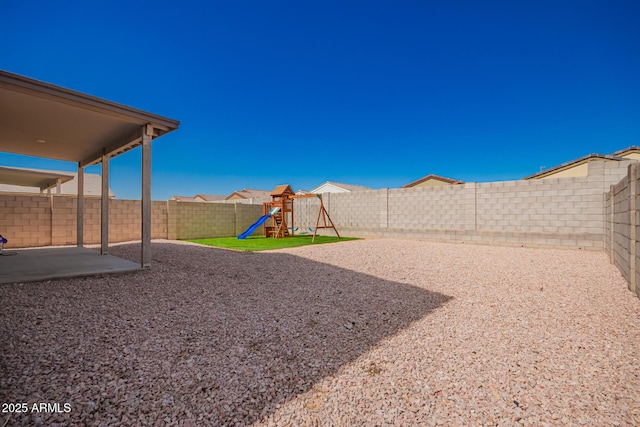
(360,209)
(565,212)
(245,216)
(25,220)
(124,220)
(570,212)
(306,211)
(634,245)
(29,221)
(192,220)
(159,220)
(608,221)
(198,220)
(430,208)
(63,220)
(622,226)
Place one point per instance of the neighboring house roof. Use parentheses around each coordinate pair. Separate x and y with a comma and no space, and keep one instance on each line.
(432,177)
(198,198)
(574,164)
(581,164)
(92,184)
(302,192)
(209,197)
(338,187)
(183,198)
(632,152)
(248,194)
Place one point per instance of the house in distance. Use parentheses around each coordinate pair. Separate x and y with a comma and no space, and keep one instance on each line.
(432,180)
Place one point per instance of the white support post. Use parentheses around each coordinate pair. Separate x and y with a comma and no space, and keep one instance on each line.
(147,134)
(80,208)
(104,211)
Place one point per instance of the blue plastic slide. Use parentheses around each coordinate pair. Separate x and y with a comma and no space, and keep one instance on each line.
(258,223)
(251,229)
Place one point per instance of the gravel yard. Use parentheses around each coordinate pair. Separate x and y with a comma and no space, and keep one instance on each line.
(368,332)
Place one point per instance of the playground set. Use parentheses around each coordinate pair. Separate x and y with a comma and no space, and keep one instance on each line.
(280,211)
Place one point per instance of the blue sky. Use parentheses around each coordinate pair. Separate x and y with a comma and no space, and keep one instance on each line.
(377,93)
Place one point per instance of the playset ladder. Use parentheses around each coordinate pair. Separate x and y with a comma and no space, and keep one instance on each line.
(281,229)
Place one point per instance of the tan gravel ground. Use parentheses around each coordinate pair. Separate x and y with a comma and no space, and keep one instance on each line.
(364,333)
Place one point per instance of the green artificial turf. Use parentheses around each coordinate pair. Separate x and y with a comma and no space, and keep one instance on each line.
(255,243)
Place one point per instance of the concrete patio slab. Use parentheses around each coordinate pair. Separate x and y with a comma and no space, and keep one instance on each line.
(30,265)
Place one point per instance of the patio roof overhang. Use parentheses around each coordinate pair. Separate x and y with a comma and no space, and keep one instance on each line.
(32,178)
(43,120)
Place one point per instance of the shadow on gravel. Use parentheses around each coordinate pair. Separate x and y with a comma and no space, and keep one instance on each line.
(206,337)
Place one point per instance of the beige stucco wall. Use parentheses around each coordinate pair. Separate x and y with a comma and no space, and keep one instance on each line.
(431,183)
(633,156)
(583,169)
(574,171)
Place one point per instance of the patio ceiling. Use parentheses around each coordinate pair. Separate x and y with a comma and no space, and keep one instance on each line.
(42,120)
